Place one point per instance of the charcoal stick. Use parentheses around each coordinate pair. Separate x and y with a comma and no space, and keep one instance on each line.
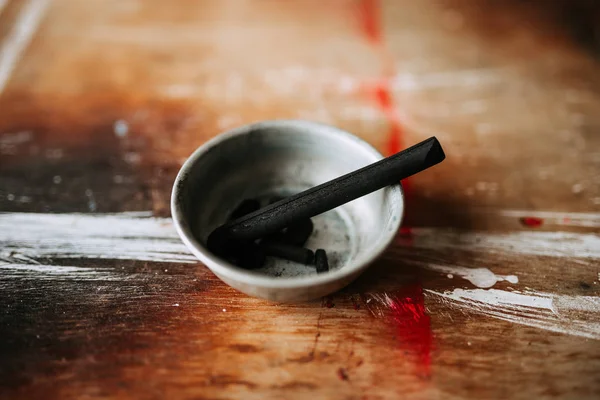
(334,193)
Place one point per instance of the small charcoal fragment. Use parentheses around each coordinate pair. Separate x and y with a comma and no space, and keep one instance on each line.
(248,256)
(321,261)
(246,207)
(298,233)
(241,253)
(218,242)
(288,252)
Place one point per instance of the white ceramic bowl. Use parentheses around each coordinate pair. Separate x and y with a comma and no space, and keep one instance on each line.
(278,158)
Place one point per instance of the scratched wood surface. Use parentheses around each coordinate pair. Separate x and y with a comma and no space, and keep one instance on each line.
(490,291)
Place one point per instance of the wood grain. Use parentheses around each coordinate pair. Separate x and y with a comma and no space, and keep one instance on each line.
(106,99)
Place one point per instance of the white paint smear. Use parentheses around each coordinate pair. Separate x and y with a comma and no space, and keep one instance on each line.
(57,272)
(554,244)
(19,37)
(573,315)
(480,277)
(28,243)
(126,236)
(138,236)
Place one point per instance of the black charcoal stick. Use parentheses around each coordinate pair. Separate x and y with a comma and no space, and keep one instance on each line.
(334,193)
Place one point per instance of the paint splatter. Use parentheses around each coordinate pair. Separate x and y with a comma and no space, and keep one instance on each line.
(406,231)
(394,144)
(383,96)
(369,14)
(381,93)
(532,222)
(405,310)
(121,128)
(369,20)
(405,236)
(413,324)
(549,218)
(480,277)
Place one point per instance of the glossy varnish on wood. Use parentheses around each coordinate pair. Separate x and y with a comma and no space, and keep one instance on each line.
(490,290)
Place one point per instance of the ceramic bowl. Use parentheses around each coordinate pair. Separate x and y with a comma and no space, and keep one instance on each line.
(274,159)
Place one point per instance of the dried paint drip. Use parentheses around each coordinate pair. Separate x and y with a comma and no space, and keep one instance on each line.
(31,243)
(532,222)
(405,235)
(369,20)
(384,101)
(548,218)
(480,277)
(405,309)
(382,91)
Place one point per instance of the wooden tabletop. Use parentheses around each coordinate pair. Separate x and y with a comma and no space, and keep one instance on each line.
(490,290)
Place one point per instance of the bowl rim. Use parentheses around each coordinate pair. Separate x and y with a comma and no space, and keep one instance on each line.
(224,269)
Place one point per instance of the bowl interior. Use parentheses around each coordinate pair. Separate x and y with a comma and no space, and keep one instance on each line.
(264,161)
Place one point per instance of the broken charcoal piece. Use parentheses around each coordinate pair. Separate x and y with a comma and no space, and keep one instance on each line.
(245,207)
(244,254)
(321,261)
(248,256)
(288,252)
(298,233)
(219,243)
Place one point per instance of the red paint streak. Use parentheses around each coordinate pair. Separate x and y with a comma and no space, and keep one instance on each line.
(381,90)
(382,94)
(370,11)
(532,222)
(394,144)
(413,325)
(369,19)
(406,231)
(405,237)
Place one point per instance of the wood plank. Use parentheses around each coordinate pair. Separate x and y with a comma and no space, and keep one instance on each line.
(490,291)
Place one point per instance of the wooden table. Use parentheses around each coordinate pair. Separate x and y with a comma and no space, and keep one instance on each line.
(490,291)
